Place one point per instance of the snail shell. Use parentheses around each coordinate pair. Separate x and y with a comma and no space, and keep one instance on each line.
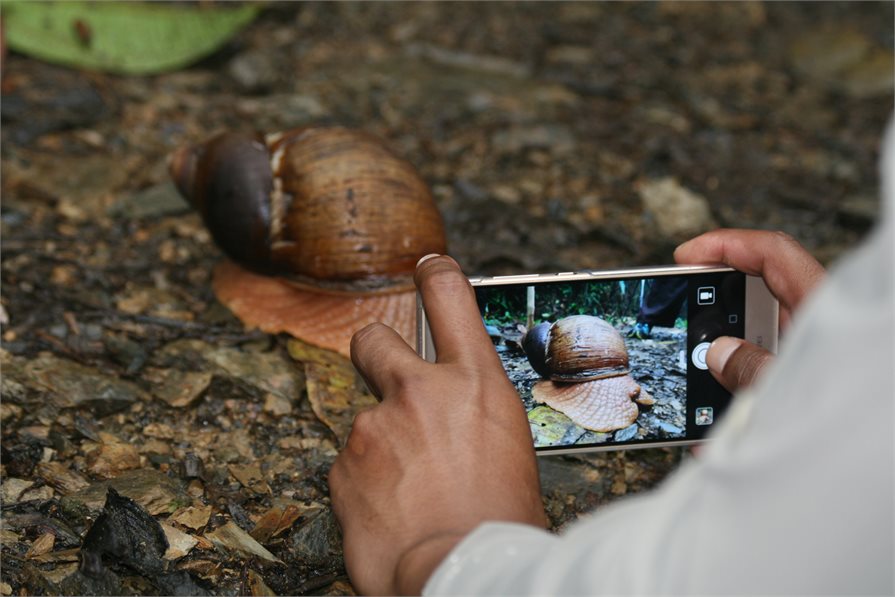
(576,348)
(326,207)
(585,363)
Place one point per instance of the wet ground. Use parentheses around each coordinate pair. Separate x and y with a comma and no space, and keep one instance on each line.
(554,136)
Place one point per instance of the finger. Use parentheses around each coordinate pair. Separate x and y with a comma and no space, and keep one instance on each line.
(381,355)
(736,363)
(789,271)
(452,312)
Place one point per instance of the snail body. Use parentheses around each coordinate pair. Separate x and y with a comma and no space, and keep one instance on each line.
(323,227)
(329,208)
(586,369)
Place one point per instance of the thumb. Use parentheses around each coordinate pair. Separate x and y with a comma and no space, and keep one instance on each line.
(736,363)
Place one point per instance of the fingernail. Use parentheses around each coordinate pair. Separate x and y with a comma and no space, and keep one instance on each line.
(720,350)
(426,257)
(683,244)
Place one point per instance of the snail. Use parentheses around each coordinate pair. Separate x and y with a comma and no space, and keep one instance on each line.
(585,363)
(322,226)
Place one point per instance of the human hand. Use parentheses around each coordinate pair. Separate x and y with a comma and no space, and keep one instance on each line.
(448,447)
(789,272)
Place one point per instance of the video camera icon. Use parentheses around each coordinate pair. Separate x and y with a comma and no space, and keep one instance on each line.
(705,295)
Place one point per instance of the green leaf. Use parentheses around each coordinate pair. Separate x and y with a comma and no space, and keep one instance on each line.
(121,37)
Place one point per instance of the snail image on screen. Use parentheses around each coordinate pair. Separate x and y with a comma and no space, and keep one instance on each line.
(585,365)
(323,227)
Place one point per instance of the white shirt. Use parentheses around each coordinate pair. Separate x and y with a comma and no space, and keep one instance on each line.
(793,495)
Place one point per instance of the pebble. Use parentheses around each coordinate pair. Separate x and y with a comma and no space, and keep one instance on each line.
(860,210)
(318,541)
(670,429)
(253,71)
(628,433)
(12,488)
(162,199)
(484,63)
(557,138)
(678,213)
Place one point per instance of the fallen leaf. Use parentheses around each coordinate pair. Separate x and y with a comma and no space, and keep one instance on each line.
(333,388)
(179,543)
(60,478)
(177,388)
(41,545)
(232,538)
(275,521)
(193,517)
(108,460)
(250,477)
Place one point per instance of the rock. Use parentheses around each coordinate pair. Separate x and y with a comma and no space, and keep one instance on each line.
(569,54)
(253,71)
(232,538)
(628,433)
(159,200)
(127,534)
(823,53)
(12,488)
(319,541)
(484,63)
(77,386)
(872,77)
(845,60)
(557,138)
(277,406)
(150,488)
(679,214)
(859,210)
(671,430)
(29,111)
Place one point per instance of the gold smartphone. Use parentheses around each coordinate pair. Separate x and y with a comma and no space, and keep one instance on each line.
(615,359)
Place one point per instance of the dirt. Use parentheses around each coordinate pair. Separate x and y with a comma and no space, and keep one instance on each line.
(554,137)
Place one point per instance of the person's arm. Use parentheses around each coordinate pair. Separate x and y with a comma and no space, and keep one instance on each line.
(448,448)
(789,272)
(792,495)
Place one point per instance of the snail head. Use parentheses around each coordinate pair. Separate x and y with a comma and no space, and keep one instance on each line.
(228,180)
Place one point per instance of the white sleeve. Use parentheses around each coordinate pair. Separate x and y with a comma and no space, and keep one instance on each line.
(794,495)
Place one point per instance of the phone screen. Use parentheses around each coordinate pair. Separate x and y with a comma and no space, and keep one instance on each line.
(615,362)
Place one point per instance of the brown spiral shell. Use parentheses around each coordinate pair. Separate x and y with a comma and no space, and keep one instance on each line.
(329,208)
(577,348)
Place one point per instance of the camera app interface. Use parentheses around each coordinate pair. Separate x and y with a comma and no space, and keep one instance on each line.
(609,362)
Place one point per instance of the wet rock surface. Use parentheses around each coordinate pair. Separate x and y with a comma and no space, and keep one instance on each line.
(554,136)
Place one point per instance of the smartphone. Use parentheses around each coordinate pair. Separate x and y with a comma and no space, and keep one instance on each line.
(606,360)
